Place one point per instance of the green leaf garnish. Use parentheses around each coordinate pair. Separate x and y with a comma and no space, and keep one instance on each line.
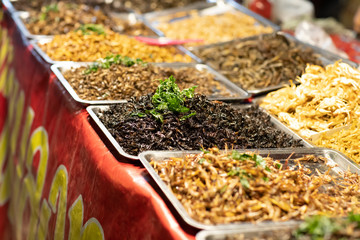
(223,189)
(244,182)
(49,8)
(92,68)
(240,156)
(139,114)
(156,115)
(169,98)
(354,218)
(204,150)
(202,160)
(317,227)
(109,60)
(86,29)
(187,116)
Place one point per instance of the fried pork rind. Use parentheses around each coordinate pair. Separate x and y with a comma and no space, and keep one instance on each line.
(326,99)
(218,187)
(346,141)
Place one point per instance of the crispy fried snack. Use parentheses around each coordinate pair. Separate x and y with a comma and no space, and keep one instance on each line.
(327,98)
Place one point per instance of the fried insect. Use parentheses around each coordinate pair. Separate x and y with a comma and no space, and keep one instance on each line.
(122,82)
(259,63)
(217,187)
(213,123)
(80,47)
(214,28)
(346,141)
(62,17)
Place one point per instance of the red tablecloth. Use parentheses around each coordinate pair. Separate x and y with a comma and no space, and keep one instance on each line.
(59,180)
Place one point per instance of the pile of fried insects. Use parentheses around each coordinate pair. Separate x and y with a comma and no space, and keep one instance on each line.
(217,187)
(174,119)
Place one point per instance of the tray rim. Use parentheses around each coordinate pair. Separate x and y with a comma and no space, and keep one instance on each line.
(37,48)
(92,112)
(204,234)
(194,223)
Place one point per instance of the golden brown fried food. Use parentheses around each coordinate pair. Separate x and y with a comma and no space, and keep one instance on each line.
(327,98)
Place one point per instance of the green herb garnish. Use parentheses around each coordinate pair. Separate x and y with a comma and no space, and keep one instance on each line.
(317,227)
(109,60)
(86,29)
(259,161)
(139,114)
(169,98)
(91,68)
(223,189)
(354,218)
(204,150)
(244,182)
(202,160)
(242,174)
(50,8)
(240,156)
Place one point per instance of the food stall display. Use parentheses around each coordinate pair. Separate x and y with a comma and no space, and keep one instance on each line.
(102,134)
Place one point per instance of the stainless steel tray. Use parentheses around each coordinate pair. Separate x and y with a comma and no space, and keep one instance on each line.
(203,8)
(9,6)
(21,16)
(333,157)
(59,68)
(94,110)
(329,56)
(249,233)
(37,42)
(256,92)
(277,123)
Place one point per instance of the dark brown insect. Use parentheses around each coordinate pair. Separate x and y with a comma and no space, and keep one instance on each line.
(215,123)
(259,63)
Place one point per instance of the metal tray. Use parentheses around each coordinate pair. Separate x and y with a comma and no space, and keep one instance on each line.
(249,233)
(204,9)
(241,95)
(330,132)
(94,110)
(21,16)
(9,6)
(37,42)
(260,91)
(329,56)
(333,157)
